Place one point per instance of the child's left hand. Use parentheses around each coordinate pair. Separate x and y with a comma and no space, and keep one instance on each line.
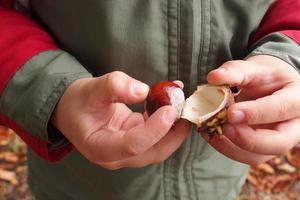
(265,121)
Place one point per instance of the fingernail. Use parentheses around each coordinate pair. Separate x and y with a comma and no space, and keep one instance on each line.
(229,131)
(236,116)
(140,89)
(170,115)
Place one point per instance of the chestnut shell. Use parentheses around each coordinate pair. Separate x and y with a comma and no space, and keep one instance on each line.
(158,96)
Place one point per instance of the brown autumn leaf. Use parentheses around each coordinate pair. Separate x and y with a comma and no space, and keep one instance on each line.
(286,167)
(5,135)
(266,168)
(9,157)
(9,176)
(8,166)
(252,179)
(281,182)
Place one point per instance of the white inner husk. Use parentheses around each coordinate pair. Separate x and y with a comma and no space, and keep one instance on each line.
(205,102)
(176,99)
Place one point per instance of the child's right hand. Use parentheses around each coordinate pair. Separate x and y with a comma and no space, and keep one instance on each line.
(92,114)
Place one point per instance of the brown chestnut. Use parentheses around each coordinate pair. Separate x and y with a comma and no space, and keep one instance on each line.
(162,94)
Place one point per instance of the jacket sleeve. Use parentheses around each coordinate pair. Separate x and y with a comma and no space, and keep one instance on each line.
(279,33)
(34,73)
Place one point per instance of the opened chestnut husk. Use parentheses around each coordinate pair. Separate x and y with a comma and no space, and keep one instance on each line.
(207,106)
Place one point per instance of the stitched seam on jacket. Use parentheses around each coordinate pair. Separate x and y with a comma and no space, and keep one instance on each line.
(172,39)
(178,35)
(186,163)
(203,61)
(168,61)
(48,105)
(173,45)
(196,148)
(193,147)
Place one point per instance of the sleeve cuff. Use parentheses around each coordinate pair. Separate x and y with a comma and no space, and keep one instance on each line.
(32,94)
(280,46)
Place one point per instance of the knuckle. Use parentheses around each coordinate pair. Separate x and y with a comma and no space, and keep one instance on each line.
(254,115)
(284,109)
(249,145)
(162,128)
(118,85)
(116,74)
(113,78)
(130,150)
(245,141)
(233,63)
(113,84)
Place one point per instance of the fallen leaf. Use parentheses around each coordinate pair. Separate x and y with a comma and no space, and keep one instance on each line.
(5,135)
(7,166)
(266,168)
(286,168)
(8,176)
(277,161)
(282,182)
(252,179)
(9,157)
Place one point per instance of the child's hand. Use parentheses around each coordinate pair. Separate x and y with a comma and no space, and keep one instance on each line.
(266,120)
(92,114)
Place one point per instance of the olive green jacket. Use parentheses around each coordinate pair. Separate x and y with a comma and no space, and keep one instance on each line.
(150,40)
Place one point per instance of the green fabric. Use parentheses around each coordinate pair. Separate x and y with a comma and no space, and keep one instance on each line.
(151,41)
(280,46)
(195,171)
(31,95)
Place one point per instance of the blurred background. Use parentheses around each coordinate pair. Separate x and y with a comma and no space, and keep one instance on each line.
(277,179)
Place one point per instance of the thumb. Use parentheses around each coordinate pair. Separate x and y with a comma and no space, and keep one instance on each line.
(119,87)
(236,73)
(240,73)
(261,70)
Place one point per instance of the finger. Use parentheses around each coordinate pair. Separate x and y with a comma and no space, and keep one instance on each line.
(142,137)
(232,151)
(280,106)
(278,141)
(133,120)
(236,73)
(119,87)
(110,144)
(247,74)
(118,117)
(159,152)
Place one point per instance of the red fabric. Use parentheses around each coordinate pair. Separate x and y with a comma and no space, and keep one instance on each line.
(283,16)
(20,40)
(7,3)
(39,146)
